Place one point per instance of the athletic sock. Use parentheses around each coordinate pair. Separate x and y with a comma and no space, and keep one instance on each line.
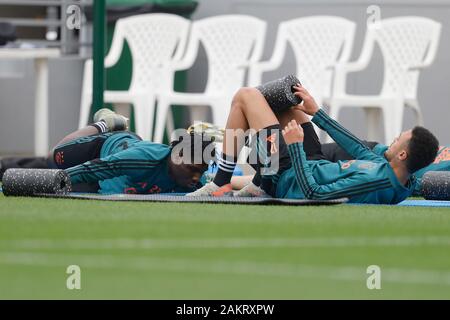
(225,170)
(100,126)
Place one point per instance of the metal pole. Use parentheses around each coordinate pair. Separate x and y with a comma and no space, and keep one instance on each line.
(99,46)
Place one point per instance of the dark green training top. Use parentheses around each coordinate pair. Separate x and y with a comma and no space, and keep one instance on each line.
(368,179)
(142,168)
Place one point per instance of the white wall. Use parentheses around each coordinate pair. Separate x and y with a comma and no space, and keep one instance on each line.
(17,103)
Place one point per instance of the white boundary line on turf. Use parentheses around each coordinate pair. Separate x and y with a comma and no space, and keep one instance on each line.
(345,273)
(225,243)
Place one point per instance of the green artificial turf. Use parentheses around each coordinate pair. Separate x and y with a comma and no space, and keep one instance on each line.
(198,251)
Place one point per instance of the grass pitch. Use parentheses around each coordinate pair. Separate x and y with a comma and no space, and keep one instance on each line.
(198,251)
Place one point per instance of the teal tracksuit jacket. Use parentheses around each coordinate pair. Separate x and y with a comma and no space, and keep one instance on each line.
(441,163)
(128,165)
(368,179)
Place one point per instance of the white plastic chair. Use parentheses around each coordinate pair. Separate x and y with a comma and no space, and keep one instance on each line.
(407,44)
(231,43)
(318,42)
(155,41)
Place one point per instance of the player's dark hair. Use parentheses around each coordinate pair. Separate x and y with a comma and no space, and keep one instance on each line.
(422,149)
(193,140)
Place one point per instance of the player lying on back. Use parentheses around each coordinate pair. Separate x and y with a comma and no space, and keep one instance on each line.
(302,172)
(333,152)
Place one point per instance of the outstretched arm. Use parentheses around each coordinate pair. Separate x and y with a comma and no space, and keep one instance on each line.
(350,143)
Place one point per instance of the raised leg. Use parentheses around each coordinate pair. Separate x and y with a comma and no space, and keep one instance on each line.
(83,132)
(249,109)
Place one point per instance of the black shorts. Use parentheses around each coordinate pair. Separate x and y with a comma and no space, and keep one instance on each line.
(79,150)
(311,146)
(83,149)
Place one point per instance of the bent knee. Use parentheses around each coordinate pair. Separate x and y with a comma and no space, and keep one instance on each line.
(245,92)
(244,95)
